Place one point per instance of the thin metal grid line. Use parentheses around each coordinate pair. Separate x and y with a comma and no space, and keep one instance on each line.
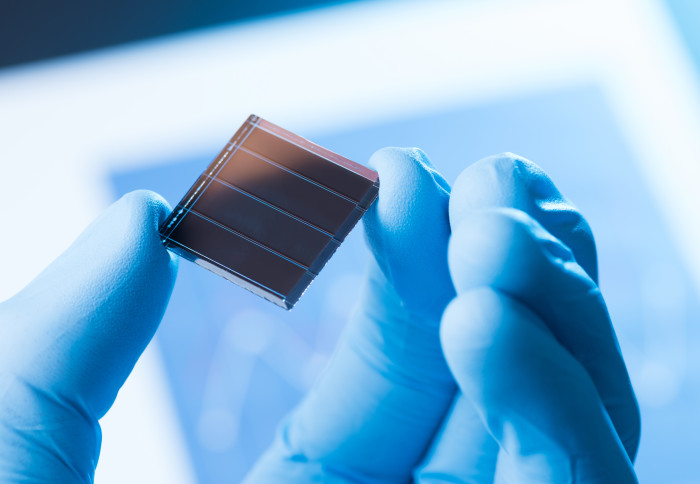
(217,263)
(252,241)
(299,175)
(262,128)
(276,208)
(184,210)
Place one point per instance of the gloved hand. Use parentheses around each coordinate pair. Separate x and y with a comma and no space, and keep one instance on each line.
(387,408)
(543,394)
(71,337)
(529,340)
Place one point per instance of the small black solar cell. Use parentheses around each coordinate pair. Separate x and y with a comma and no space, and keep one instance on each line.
(270,211)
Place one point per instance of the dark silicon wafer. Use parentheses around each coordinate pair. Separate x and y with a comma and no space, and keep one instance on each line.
(270,210)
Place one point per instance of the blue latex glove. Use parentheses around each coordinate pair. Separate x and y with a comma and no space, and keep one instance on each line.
(71,337)
(543,392)
(529,340)
(387,408)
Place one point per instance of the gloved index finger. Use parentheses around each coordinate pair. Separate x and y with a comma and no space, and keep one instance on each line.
(374,411)
(536,400)
(510,181)
(533,251)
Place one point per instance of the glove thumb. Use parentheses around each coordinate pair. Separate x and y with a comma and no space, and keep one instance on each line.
(69,340)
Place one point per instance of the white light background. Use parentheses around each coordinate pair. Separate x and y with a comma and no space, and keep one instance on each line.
(67,124)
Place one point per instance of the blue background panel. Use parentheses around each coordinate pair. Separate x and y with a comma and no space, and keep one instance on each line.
(236,363)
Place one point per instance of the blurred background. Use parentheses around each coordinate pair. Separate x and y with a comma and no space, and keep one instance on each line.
(97,99)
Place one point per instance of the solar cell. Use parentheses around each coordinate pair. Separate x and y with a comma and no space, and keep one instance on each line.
(270,211)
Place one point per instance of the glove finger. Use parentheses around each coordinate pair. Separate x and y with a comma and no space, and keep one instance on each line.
(373,412)
(77,330)
(541,252)
(72,336)
(537,401)
(462,451)
(510,181)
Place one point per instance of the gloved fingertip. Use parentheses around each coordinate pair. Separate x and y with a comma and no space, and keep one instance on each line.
(503,248)
(481,334)
(501,180)
(407,181)
(137,215)
(511,181)
(392,162)
(408,228)
(148,204)
(468,330)
(102,300)
(72,336)
(537,401)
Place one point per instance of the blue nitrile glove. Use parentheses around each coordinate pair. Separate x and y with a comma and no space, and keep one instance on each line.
(374,411)
(71,337)
(527,339)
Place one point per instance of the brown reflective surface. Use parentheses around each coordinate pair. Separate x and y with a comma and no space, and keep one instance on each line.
(285,190)
(270,210)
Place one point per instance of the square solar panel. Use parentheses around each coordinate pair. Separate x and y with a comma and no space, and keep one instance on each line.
(270,211)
